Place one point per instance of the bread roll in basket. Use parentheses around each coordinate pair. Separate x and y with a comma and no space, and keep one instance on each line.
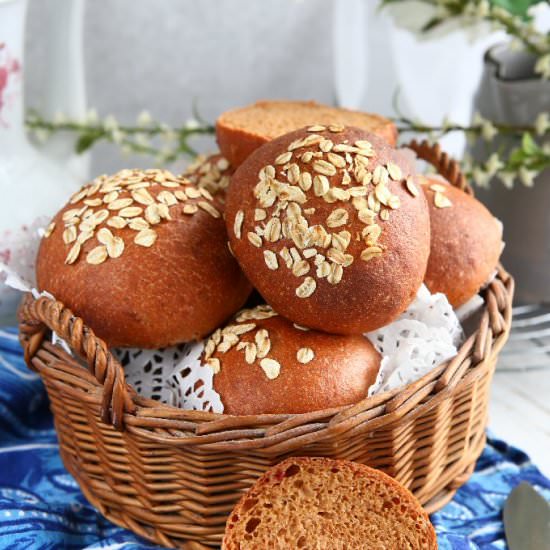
(173,475)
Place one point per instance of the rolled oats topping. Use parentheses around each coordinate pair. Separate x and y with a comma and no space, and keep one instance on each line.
(211,173)
(133,199)
(354,184)
(246,336)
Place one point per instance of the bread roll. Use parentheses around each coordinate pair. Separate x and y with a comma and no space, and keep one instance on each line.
(142,257)
(241,131)
(265,364)
(466,242)
(212,173)
(330,504)
(330,228)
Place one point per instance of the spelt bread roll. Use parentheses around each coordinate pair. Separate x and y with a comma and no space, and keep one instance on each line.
(466,242)
(330,228)
(241,131)
(128,255)
(212,173)
(265,364)
(328,504)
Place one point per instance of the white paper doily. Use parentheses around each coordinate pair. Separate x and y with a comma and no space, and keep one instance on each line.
(424,336)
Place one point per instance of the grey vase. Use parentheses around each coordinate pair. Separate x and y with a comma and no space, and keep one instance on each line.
(510,93)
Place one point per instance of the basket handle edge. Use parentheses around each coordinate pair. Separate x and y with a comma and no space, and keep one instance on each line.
(37,316)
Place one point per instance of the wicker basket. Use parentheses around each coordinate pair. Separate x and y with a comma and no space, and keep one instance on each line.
(173,476)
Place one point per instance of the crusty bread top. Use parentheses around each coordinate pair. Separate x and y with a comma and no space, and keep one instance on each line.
(320,503)
(265,364)
(329,227)
(127,246)
(466,241)
(242,130)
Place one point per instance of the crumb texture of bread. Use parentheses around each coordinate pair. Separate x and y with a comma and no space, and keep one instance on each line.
(325,504)
(241,131)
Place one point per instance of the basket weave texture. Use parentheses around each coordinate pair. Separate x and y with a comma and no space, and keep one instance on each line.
(173,476)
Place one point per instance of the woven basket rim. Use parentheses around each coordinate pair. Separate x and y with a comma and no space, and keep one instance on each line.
(123,407)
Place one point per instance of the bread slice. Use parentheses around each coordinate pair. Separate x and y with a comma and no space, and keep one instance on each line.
(241,131)
(325,504)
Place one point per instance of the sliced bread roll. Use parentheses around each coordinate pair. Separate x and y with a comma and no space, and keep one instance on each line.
(241,131)
(320,503)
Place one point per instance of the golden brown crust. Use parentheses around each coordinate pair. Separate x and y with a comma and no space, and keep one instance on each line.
(242,130)
(277,368)
(314,502)
(174,290)
(466,242)
(388,264)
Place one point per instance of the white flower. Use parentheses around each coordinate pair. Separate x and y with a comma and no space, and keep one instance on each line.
(542,123)
(483,9)
(481,177)
(191,124)
(542,66)
(91,116)
(59,118)
(117,136)
(507,178)
(42,135)
(493,164)
(110,123)
(477,119)
(169,136)
(144,118)
(526,176)
(142,140)
(488,131)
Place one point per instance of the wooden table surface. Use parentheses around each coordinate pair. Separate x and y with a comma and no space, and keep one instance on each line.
(520,412)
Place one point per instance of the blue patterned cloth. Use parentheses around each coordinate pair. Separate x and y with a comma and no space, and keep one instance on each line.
(41,506)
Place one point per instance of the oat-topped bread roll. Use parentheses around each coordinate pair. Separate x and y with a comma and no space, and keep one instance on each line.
(241,131)
(212,173)
(265,364)
(466,241)
(142,257)
(330,228)
(310,502)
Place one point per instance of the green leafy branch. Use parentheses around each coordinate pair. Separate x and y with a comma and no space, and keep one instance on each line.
(140,138)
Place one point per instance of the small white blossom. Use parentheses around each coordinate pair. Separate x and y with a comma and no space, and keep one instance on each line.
(144,118)
(92,117)
(493,164)
(481,177)
(117,136)
(542,123)
(169,136)
(507,178)
(542,66)
(526,176)
(142,140)
(42,135)
(488,131)
(59,118)
(191,124)
(110,123)
(483,9)
(477,119)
